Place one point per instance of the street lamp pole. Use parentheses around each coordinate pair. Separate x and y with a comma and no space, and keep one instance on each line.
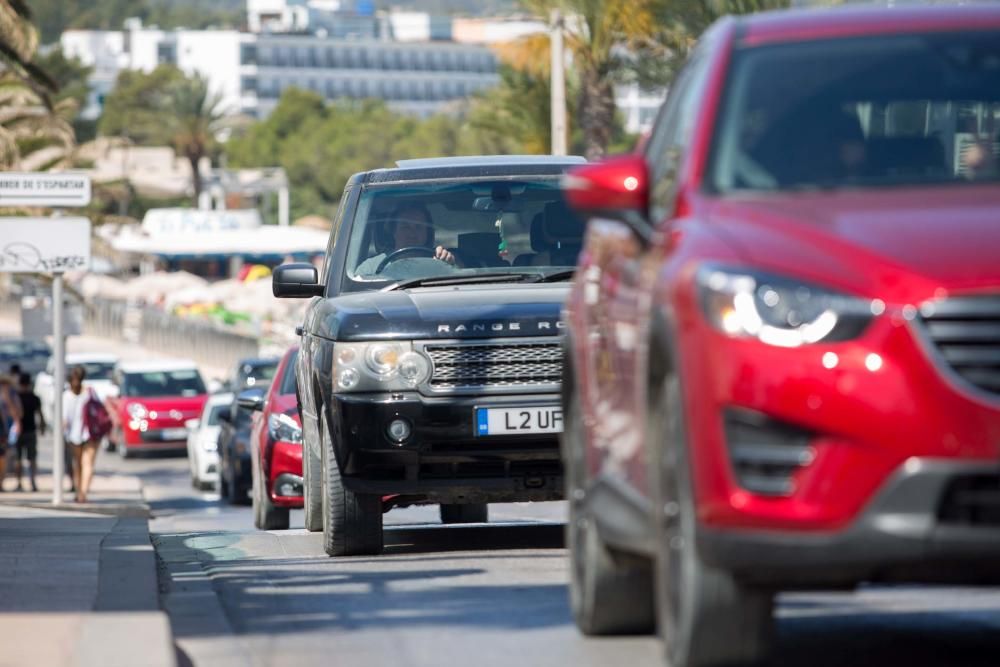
(558,85)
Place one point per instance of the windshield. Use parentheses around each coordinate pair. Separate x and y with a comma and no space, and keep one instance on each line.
(257,375)
(163,383)
(97,370)
(863,112)
(453,228)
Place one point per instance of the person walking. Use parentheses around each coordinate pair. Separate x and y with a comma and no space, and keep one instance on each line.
(10,421)
(32,423)
(77,435)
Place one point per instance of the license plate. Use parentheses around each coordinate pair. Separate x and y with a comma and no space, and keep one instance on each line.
(519,421)
(174,434)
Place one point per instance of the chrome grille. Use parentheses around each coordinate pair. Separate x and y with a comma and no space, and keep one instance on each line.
(966,333)
(495,366)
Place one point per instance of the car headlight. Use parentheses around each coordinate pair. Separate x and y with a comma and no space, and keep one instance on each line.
(137,411)
(780,311)
(284,428)
(378,366)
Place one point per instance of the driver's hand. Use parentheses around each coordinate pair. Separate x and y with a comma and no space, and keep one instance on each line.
(442,254)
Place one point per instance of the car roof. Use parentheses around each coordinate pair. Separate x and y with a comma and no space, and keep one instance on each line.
(475,166)
(91,357)
(157,365)
(856,21)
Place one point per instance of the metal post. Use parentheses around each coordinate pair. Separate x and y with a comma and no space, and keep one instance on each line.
(58,381)
(283,206)
(558,85)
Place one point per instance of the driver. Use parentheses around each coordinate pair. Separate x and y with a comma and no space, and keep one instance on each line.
(411,226)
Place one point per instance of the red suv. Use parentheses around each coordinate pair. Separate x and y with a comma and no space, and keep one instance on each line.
(276,447)
(783,347)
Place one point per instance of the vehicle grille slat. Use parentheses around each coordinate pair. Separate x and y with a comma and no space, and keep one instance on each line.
(966,333)
(486,366)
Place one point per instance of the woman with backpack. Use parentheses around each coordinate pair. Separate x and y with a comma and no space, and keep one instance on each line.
(78,434)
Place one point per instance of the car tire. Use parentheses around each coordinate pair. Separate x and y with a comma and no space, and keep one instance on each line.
(352,522)
(312,479)
(223,486)
(705,616)
(477,513)
(266,515)
(610,593)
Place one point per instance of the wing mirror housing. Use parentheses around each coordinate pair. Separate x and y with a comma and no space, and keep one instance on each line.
(251,399)
(296,281)
(616,188)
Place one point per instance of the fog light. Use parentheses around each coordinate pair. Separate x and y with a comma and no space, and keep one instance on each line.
(349,378)
(288,485)
(399,430)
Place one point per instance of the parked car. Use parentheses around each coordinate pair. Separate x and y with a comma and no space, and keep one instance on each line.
(31,355)
(429,370)
(154,401)
(276,448)
(98,367)
(234,438)
(781,366)
(203,441)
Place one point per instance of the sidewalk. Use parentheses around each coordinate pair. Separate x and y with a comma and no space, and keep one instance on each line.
(78,584)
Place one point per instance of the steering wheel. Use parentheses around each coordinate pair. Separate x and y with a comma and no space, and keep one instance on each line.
(403,253)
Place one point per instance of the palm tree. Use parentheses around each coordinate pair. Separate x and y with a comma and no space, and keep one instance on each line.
(32,135)
(610,41)
(18,41)
(194,116)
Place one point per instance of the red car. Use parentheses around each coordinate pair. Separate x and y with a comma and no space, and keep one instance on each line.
(783,347)
(276,444)
(154,401)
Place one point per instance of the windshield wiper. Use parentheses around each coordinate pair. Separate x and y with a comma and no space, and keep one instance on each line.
(556,276)
(439,281)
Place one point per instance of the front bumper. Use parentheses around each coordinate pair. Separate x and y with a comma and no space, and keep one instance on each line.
(934,521)
(285,471)
(443,460)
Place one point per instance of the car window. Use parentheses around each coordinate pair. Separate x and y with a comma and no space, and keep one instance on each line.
(256,375)
(97,370)
(212,418)
(287,386)
(163,383)
(672,135)
(861,112)
(489,226)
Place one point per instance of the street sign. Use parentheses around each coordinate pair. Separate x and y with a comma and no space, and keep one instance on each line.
(44,245)
(44,189)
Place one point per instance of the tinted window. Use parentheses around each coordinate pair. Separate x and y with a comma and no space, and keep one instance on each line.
(213,416)
(97,370)
(489,226)
(163,383)
(257,375)
(287,387)
(865,112)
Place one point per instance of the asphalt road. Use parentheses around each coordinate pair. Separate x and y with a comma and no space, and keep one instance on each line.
(477,595)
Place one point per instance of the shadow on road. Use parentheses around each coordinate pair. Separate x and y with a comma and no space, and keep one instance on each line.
(427,539)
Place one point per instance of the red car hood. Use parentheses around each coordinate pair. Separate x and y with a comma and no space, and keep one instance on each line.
(944,237)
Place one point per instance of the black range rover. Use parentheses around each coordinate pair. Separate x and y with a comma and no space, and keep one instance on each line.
(431,358)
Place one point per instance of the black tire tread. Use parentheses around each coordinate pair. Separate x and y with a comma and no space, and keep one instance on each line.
(352,522)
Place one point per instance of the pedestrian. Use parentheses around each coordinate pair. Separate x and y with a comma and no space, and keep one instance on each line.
(77,435)
(10,422)
(32,423)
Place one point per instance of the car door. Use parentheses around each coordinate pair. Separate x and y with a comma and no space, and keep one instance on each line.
(616,288)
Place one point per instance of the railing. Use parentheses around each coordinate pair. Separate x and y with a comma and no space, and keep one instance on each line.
(203,342)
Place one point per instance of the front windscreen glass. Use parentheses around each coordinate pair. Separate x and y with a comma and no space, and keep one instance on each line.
(97,370)
(861,112)
(257,375)
(212,419)
(163,383)
(410,231)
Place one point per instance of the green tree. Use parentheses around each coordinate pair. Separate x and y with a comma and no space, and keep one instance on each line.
(32,135)
(18,41)
(71,76)
(133,109)
(193,118)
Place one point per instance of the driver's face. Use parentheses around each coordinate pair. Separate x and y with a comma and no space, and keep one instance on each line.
(411,230)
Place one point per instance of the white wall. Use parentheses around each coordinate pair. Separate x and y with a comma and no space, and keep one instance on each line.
(143,49)
(214,54)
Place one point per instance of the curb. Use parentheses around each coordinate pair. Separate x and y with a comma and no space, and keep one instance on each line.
(129,510)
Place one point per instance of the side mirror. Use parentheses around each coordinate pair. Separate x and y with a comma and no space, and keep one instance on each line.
(251,399)
(617,188)
(296,281)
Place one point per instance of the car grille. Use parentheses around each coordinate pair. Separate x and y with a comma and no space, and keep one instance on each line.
(966,332)
(972,500)
(495,366)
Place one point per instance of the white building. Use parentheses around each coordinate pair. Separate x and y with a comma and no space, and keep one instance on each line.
(494,30)
(638,107)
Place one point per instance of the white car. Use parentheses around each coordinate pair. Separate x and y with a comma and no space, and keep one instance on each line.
(203,442)
(99,368)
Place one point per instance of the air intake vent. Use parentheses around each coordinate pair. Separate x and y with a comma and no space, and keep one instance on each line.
(765,454)
(966,333)
(972,500)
